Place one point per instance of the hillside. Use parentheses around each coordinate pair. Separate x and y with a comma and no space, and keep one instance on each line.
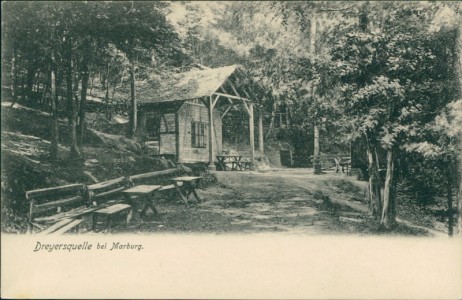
(26,164)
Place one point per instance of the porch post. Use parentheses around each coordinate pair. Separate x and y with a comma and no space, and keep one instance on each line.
(260,132)
(211,164)
(252,137)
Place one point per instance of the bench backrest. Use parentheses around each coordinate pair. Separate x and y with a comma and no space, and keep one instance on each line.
(55,199)
(156,177)
(104,191)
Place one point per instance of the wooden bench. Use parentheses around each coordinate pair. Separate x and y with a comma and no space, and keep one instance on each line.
(328,161)
(162,178)
(232,162)
(57,210)
(168,186)
(108,200)
(242,165)
(186,186)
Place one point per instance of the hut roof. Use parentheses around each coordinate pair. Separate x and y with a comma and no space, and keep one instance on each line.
(185,86)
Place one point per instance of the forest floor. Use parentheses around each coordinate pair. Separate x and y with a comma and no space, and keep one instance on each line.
(292,201)
(286,201)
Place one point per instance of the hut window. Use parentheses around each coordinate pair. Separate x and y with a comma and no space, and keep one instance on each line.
(152,124)
(198,135)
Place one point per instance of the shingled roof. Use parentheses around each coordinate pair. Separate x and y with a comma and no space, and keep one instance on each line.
(185,86)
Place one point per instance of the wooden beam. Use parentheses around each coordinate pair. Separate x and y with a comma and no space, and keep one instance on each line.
(252,138)
(104,184)
(251,90)
(226,111)
(215,101)
(246,107)
(55,204)
(54,190)
(247,94)
(234,88)
(234,105)
(240,98)
(206,103)
(223,89)
(211,164)
(232,97)
(152,174)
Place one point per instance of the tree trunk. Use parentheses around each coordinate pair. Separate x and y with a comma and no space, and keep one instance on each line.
(260,134)
(122,77)
(316,152)
(449,181)
(458,68)
(36,86)
(13,77)
(388,217)
(133,104)
(83,92)
(71,111)
(375,199)
(313,29)
(458,220)
(92,82)
(106,98)
(53,112)
(273,117)
(30,83)
(43,101)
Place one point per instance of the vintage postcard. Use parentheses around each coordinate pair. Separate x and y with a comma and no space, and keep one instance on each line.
(231,149)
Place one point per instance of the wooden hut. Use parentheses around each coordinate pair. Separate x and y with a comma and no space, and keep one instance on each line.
(182,116)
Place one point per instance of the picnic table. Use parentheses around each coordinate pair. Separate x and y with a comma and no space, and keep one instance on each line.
(234,160)
(187,187)
(145,193)
(346,163)
(339,162)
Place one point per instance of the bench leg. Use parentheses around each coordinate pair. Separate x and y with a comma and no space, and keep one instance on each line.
(131,215)
(183,197)
(108,223)
(196,195)
(94,219)
(145,208)
(192,190)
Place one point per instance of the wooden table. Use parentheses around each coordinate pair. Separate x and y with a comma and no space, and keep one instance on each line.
(110,212)
(233,159)
(144,192)
(347,164)
(188,187)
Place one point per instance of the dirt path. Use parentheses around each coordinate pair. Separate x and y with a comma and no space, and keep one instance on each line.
(291,201)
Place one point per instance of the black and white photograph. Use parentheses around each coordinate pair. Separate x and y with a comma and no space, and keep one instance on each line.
(262,144)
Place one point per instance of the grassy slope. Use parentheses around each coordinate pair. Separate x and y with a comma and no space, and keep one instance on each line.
(26,164)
